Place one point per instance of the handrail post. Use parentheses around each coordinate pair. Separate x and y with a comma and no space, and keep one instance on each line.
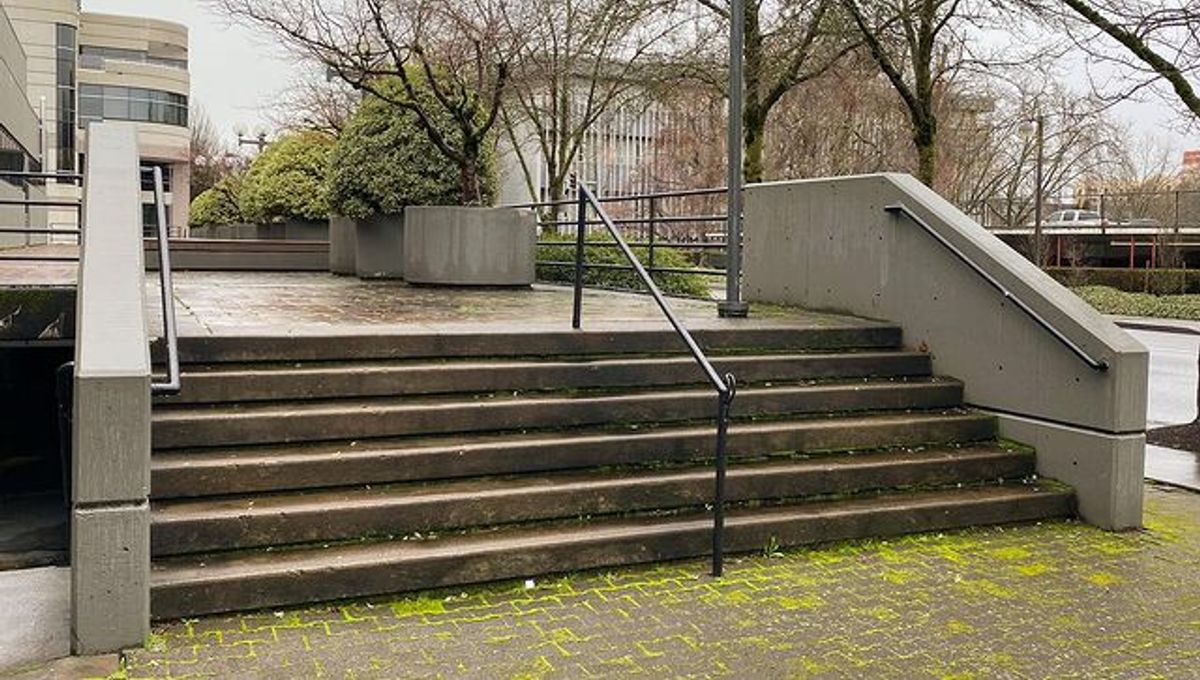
(724,401)
(580,239)
(651,235)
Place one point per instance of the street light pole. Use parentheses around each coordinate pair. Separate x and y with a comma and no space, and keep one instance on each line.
(733,306)
(1040,122)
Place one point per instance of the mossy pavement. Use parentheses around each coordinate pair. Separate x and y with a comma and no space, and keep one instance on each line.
(1052,600)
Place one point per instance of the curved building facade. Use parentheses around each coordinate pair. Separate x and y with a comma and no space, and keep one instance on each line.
(83,67)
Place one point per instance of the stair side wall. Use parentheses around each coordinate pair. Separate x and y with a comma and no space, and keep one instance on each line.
(829,244)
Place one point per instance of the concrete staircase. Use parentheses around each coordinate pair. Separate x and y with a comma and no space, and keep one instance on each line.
(302,469)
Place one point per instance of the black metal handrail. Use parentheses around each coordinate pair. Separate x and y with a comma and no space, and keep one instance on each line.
(726,387)
(173,383)
(899,209)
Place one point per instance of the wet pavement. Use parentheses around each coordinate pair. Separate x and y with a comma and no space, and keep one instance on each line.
(1173,376)
(265,303)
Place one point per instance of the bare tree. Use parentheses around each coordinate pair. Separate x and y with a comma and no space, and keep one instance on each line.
(317,104)
(787,44)
(1159,41)
(582,61)
(917,45)
(210,157)
(451,59)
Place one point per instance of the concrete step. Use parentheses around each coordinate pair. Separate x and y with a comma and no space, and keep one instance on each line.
(325,380)
(533,341)
(201,584)
(266,423)
(233,470)
(250,521)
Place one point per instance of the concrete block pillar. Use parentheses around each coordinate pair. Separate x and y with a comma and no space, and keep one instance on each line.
(110,464)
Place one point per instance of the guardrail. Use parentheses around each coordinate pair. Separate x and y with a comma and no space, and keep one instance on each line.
(27,179)
(689,221)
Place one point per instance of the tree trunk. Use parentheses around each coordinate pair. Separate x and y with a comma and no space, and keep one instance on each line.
(925,139)
(754,131)
(469,182)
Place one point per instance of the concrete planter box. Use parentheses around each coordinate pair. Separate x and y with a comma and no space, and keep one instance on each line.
(303,230)
(469,246)
(379,247)
(342,237)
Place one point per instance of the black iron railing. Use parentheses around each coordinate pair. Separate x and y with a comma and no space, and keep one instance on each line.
(691,222)
(27,181)
(726,387)
(901,210)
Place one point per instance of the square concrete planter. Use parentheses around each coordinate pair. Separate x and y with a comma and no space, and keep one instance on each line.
(469,246)
(342,237)
(379,247)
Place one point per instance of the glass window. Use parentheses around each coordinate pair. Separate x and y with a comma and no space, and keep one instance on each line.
(65,79)
(116,108)
(110,102)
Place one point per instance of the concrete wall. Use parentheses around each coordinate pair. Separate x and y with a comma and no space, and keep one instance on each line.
(469,246)
(110,510)
(219,255)
(829,244)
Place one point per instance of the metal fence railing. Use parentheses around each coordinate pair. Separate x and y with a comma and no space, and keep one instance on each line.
(687,224)
(27,203)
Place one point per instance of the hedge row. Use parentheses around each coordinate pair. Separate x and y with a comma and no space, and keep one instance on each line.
(689,285)
(1153,281)
(1111,301)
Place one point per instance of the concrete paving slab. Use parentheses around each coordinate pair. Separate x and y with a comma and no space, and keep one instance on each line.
(34,616)
(277,303)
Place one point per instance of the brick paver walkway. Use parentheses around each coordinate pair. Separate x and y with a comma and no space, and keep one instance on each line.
(1053,600)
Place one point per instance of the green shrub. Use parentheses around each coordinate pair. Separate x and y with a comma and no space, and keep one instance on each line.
(1154,281)
(289,180)
(1112,301)
(690,285)
(384,161)
(218,206)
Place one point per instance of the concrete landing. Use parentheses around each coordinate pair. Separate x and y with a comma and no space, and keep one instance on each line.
(275,303)
(32,271)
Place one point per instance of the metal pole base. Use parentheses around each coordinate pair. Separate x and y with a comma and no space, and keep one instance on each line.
(733,310)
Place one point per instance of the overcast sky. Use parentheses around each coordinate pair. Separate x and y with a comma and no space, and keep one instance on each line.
(235,73)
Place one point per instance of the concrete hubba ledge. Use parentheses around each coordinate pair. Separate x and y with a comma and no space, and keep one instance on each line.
(342,240)
(379,247)
(829,244)
(110,511)
(469,246)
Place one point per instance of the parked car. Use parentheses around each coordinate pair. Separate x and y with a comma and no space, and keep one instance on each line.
(1073,218)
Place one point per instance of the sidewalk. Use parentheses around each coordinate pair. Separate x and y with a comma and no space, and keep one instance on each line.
(1059,599)
(1147,323)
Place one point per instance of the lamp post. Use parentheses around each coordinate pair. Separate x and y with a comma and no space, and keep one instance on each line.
(733,306)
(1039,131)
(259,141)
